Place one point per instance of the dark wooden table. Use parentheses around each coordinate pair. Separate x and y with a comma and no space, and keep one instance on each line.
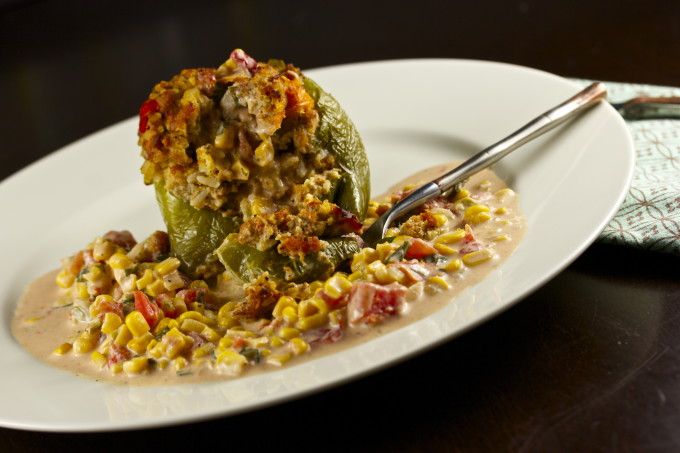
(589,362)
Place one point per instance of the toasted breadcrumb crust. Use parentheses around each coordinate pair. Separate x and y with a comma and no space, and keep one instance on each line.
(218,136)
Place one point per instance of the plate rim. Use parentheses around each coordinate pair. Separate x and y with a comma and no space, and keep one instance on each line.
(48,159)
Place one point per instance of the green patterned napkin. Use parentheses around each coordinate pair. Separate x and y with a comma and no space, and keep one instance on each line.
(649,217)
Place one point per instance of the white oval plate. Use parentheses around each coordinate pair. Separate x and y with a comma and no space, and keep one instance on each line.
(412,114)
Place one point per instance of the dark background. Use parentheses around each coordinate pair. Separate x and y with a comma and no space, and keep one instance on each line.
(71,67)
(590,362)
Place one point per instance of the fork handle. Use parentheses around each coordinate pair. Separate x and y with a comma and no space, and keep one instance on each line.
(538,126)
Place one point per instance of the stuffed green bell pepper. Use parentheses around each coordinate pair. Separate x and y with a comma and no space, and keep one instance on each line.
(256,169)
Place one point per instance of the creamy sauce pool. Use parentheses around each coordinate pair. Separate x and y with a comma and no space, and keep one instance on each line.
(40,325)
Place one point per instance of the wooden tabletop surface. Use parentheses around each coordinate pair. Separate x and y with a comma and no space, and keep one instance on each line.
(589,362)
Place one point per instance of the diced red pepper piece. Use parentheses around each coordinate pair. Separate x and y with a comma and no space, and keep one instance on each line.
(148,107)
(118,353)
(419,249)
(164,302)
(147,308)
(370,303)
(470,243)
(244,60)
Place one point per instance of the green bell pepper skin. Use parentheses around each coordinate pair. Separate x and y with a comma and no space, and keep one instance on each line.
(247,263)
(337,134)
(194,233)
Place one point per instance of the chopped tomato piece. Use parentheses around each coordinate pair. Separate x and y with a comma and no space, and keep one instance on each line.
(325,336)
(76,263)
(148,107)
(470,243)
(164,302)
(370,303)
(148,309)
(244,60)
(118,353)
(419,249)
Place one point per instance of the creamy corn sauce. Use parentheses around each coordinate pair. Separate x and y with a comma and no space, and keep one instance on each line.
(40,325)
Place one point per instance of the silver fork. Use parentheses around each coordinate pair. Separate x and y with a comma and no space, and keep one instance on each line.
(536,127)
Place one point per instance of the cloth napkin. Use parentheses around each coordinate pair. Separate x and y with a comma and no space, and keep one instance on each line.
(649,217)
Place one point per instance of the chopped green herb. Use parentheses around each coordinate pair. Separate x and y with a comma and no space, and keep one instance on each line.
(435,258)
(161,333)
(399,254)
(252,354)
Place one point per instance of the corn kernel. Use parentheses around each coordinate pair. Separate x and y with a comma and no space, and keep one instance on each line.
(209,334)
(203,350)
(501,210)
(124,335)
(298,346)
(279,359)
(136,365)
(198,284)
(264,153)
(480,256)
(99,359)
(103,249)
(312,322)
(116,367)
(65,279)
(504,193)
(120,261)
(440,219)
(225,138)
(453,265)
(145,279)
(476,214)
(354,276)
(225,343)
(111,322)
(231,362)
(139,344)
(197,316)
(167,266)
(191,325)
(180,363)
(94,273)
(155,288)
(438,282)
(290,315)
(444,249)
(261,206)
(461,194)
(163,324)
(336,286)
(240,171)
(288,332)
(80,290)
(152,344)
(276,342)
(174,343)
(136,323)
(63,349)
(84,343)
(282,303)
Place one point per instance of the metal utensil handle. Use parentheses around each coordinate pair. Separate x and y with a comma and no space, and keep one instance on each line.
(540,125)
(550,119)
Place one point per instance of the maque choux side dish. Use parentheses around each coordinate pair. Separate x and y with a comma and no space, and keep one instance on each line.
(263,183)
